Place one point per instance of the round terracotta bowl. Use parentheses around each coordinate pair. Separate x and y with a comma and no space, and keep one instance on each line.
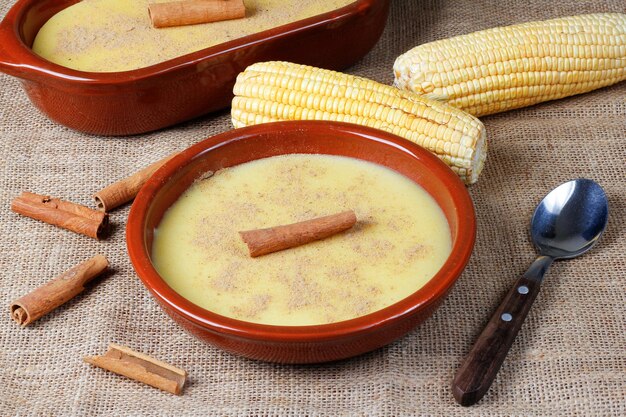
(302,344)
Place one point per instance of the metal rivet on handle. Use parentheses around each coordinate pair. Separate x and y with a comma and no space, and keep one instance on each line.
(522,289)
(506,317)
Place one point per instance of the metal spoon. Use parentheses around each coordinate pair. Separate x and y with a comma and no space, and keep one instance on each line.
(566,224)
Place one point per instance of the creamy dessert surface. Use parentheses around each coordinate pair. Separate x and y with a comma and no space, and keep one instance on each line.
(116,35)
(400,241)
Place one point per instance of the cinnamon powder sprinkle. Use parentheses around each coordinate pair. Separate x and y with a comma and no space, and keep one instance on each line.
(388,254)
(116,35)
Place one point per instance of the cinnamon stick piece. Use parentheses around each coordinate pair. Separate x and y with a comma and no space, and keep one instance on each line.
(125,190)
(140,367)
(192,12)
(65,214)
(61,289)
(274,239)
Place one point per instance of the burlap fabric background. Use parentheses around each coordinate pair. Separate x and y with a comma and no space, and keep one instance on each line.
(570,358)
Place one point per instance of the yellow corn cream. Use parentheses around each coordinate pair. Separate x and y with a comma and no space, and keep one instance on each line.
(116,35)
(401,239)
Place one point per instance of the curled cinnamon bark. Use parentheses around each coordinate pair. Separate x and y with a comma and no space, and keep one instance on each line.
(140,367)
(60,290)
(65,214)
(191,12)
(274,239)
(125,190)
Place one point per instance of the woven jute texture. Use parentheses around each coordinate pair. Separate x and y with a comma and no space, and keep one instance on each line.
(569,359)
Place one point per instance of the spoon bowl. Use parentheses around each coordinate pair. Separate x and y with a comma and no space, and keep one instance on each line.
(570,219)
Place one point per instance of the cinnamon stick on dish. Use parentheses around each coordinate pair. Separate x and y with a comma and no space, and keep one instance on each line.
(140,367)
(125,190)
(192,12)
(60,290)
(65,214)
(274,239)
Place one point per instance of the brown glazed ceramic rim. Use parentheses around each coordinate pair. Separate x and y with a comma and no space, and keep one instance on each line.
(435,289)
(14,53)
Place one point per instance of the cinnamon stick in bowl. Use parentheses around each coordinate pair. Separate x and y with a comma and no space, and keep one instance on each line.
(192,12)
(60,290)
(263,241)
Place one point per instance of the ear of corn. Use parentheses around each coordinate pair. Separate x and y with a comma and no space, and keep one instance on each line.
(275,91)
(515,66)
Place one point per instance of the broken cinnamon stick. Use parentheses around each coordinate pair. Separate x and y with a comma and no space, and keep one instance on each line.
(125,190)
(274,239)
(60,290)
(140,367)
(192,12)
(65,214)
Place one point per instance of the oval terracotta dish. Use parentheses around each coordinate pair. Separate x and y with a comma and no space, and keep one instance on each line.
(302,344)
(138,101)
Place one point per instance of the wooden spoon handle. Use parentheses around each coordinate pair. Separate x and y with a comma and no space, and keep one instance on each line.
(481,365)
